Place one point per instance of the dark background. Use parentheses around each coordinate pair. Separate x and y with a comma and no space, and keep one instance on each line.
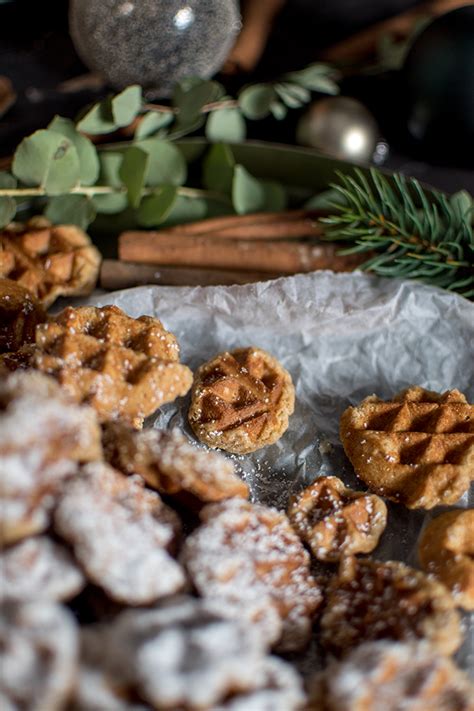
(37,54)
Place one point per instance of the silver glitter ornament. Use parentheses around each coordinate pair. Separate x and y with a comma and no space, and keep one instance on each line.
(341,127)
(153,42)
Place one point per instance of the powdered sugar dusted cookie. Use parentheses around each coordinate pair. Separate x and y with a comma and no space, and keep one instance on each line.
(38,568)
(38,656)
(391,676)
(172,465)
(371,600)
(248,554)
(121,534)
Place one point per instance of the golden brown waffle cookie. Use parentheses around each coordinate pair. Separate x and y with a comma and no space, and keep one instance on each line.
(172,465)
(391,676)
(39,569)
(123,367)
(49,260)
(446,548)
(336,521)
(241,401)
(371,600)
(249,555)
(121,534)
(43,435)
(38,656)
(417,449)
(20,312)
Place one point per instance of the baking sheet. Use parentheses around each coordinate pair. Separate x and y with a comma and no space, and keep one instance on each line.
(342,337)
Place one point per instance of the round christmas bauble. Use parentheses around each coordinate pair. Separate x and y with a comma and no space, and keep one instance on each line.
(341,127)
(153,42)
(438,82)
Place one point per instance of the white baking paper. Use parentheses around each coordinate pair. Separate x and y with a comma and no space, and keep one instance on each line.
(342,337)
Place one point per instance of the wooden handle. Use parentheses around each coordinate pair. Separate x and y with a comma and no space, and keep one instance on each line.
(248,255)
(123,275)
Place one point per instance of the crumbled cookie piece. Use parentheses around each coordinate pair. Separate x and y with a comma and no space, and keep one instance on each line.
(416,449)
(370,600)
(121,534)
(248,557)
(20,313)
(446,548)
(241,401)
(336,521)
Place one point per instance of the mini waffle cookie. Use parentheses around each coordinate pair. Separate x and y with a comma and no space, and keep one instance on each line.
(20,312)
(123,367)
(38,656)
(38,568)
(172,465)
(391,676)
(446,548)
(417,449)
(43,436)
(249,556)
(49,260)
(241,401)
(370,600)
(336,521)
(123,541)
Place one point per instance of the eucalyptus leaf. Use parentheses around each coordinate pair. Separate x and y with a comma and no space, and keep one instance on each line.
(218,169)
(152,122)
(49,160)
(154,209)
(166,162)
(7,210)
(99,119)
(127,105)
(225,125)
(274,196)
(279,110)
(192,94)
(247,192)
(292,95)
(462,202)
(71,210)
(255,100)
(133,171)
(7,180)
(326,200)
(186,209)
(314,77)
(109,175)
(88,158)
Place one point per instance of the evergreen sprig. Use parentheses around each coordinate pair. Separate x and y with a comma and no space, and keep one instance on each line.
(408,232)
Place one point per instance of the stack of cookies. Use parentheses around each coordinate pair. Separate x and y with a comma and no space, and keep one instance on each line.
(138,575)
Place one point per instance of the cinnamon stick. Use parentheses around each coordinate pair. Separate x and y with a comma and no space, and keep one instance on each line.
(227,222)
(293,229)
(250,255)
(115,274)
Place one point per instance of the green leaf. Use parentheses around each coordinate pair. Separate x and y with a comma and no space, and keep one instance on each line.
(325,200)
(71,210)
(88,158)
(278,110)
(187,209)
(166,164)
(99,119)
(218,169)
(48,160)
(292,95)
(155,208)
(7,180)
(274,197)
(152,122)
(127,105)
(7,210)
(225,125)
(133,172)
(247,193)
(462,202)
(255,101)
(316,77)
(191,94)
(109,175)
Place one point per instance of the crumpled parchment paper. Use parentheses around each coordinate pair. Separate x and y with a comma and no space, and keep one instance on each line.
(342,337)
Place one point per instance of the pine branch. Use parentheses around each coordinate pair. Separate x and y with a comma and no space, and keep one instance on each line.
(409,233)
